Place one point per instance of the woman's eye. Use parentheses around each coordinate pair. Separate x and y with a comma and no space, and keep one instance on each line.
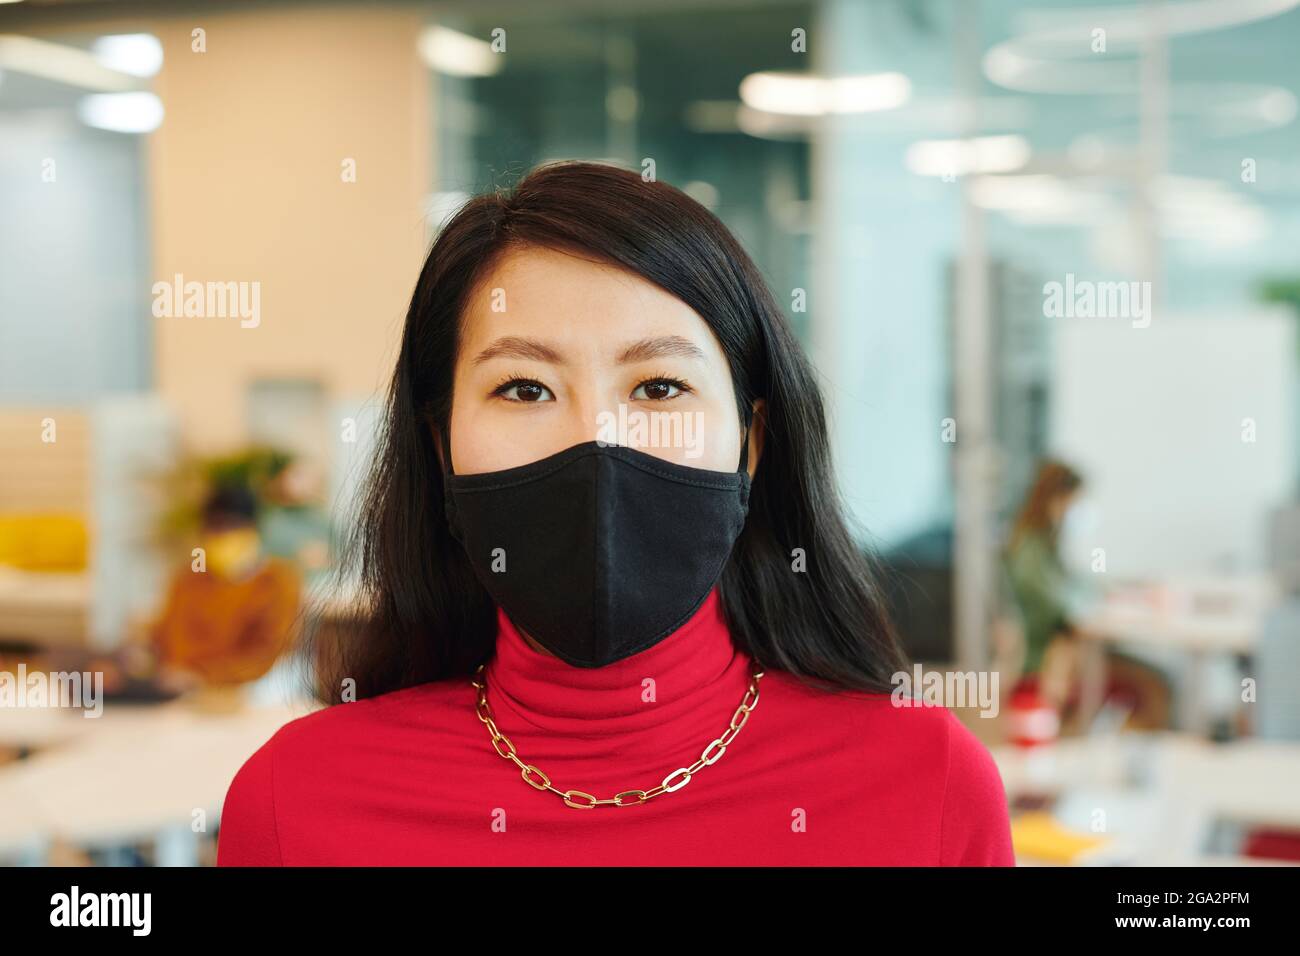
(525,392)
(658,390)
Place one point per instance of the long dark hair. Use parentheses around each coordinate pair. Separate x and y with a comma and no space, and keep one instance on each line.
(1051,480)
(426,616)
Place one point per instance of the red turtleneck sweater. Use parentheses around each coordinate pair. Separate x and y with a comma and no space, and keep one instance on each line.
(411,778)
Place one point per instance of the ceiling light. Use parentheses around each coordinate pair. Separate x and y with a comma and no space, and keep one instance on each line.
(802,94)
(139,54)
(457,54)
(121,112)
(62,63)
(960,157)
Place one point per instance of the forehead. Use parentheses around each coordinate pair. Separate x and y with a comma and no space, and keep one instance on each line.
(542,292)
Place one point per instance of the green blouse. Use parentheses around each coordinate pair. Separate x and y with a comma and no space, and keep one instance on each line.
(1040,585)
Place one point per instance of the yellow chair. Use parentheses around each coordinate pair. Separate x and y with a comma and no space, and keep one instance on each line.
(43,542)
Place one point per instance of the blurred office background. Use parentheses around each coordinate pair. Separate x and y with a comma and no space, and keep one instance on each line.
(914,177)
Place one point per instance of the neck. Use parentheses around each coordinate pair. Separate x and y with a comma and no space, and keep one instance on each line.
(532,642)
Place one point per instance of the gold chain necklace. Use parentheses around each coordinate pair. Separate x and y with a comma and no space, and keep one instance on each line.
(679,778)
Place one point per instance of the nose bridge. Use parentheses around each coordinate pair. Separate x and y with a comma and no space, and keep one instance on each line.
(594,408)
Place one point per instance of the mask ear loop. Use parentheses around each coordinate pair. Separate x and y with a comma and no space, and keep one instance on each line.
(448,499)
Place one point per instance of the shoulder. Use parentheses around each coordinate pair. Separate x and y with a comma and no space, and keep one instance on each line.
(332,728)
(975,826)
(937,766)
(947,758)
(880,718)
(317,747)
(891,736)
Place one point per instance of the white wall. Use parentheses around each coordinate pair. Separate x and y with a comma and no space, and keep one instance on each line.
(74,309)
(1154,417)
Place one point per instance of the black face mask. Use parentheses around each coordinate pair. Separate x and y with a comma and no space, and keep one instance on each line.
(599,551)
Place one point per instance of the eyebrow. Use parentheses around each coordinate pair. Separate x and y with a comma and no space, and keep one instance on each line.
(514,346)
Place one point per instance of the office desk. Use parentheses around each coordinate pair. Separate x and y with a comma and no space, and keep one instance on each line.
(1159,794)
(141,773)
(1197,635)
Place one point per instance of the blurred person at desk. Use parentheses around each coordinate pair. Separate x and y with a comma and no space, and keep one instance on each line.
(229,615)
(1040,585)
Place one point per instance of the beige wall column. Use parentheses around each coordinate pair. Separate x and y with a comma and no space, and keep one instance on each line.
(246,183)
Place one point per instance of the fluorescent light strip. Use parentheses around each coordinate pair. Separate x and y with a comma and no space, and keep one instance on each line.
(62,64)
(802,94)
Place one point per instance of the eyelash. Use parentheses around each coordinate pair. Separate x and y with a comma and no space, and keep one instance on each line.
(517,378)
(683,387)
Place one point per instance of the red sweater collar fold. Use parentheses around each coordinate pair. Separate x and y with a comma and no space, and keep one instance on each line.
(655,691)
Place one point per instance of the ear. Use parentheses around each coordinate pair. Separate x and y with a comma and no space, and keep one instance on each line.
(757,433)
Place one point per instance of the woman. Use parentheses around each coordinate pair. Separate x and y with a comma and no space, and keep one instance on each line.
(228,621)
(1040,585)
(629,605)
